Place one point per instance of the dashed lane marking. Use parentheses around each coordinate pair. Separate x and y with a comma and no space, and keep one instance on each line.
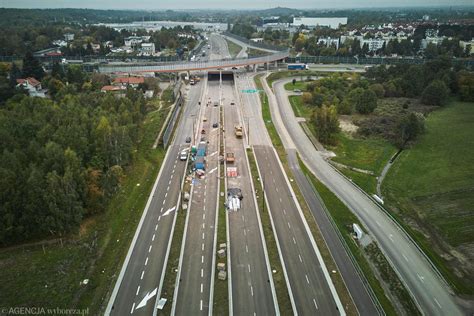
(133,307)
(248,265)
(299,256)
(153,237)
(146,261)
(138,289)
(143,272)
(307,280)
(149,249)
(294,240)
(246,248)
(315,305)
(437,303)
(156,226)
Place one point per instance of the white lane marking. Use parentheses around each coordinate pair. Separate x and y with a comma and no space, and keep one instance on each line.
(201,287)
(204,208)
(276,188)
(437,303)
(246,248)
(315,305)
(164,202)
(202,235)
(143,272)
(167,189)
(171,176)
(202,259)
(280,200)
(153,237)
(301,260)
(243,219)
(133,307)
(202,273)
(378,223)
(289,226)
(138,289)
(294,240)
(203,225)
(202,247)
(146,261)
(169,183)
(166,193)
(148,296)
(169,211)
(422,279)
(156,226)
(149,249)
(161,211)
(307,280)
(159,217)
(391,237)
(201,304)
(251,290)
(284,211)
(212,170)
(245,233)
(248,265)
(203,216)
(405,257)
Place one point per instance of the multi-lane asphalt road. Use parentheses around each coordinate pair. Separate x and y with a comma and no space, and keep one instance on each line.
(429,291)
(252,288)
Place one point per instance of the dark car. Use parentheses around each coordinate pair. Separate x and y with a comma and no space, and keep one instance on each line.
(215,125)
(188,139)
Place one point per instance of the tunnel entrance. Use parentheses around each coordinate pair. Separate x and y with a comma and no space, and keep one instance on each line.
(226,75)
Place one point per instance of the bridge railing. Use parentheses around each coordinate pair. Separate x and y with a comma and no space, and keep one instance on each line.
(188,65)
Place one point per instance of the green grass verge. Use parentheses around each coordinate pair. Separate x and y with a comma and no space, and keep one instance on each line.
(364,153)
(298,85)
(299,108)
(51,276)
(281,289)
(344,219)
(256,52)
(234,49)
(366,182)
(433,185)
(300,75)
(221,288)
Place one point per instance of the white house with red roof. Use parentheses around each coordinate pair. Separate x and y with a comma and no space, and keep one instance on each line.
(33,87)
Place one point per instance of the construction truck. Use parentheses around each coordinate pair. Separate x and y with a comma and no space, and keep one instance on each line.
(229,158)
(238,131)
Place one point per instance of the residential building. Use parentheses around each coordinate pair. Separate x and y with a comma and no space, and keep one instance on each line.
(465,44)
(328,41)
(134,41)
(333,23)
(148,49)
(113,89)
(373,44)
(69,37)
(32,86)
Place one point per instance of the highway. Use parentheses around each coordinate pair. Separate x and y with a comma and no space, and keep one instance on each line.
(429,291)
(252,288)
(140,280)
(196,273)
(310,287)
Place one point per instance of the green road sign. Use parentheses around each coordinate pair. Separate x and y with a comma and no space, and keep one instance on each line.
(251,91)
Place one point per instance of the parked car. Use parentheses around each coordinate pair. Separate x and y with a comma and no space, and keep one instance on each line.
(188,139)
(215,125)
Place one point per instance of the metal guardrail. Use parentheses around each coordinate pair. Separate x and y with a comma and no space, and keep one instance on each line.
(187,65)
(469,62)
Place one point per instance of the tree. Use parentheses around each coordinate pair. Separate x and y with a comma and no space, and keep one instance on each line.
(436,93)
(326,123)
(409,127)
(466,86)
(57,71)
(293,81)
(363,100)
(54,86)
(32,67)
(378,89)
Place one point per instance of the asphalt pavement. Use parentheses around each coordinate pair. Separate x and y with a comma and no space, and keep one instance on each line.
(140,280)
(428,289)
(252,286)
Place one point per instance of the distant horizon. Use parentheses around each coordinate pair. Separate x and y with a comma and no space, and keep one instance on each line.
(237,5)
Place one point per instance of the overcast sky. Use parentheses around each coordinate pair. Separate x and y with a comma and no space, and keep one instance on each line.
(222,4)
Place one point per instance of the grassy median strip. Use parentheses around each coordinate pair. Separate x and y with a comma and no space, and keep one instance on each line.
(273,257)
(221,288)
(234,48)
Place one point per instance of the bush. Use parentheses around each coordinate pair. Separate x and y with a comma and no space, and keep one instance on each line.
(326,123)
(436,93)
(378,89)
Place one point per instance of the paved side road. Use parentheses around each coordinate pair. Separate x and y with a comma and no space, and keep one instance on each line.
(429,291)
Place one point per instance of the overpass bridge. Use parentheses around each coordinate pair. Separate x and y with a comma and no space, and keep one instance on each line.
(191,65)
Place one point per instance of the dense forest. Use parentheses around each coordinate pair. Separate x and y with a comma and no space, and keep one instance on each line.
(61,159)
